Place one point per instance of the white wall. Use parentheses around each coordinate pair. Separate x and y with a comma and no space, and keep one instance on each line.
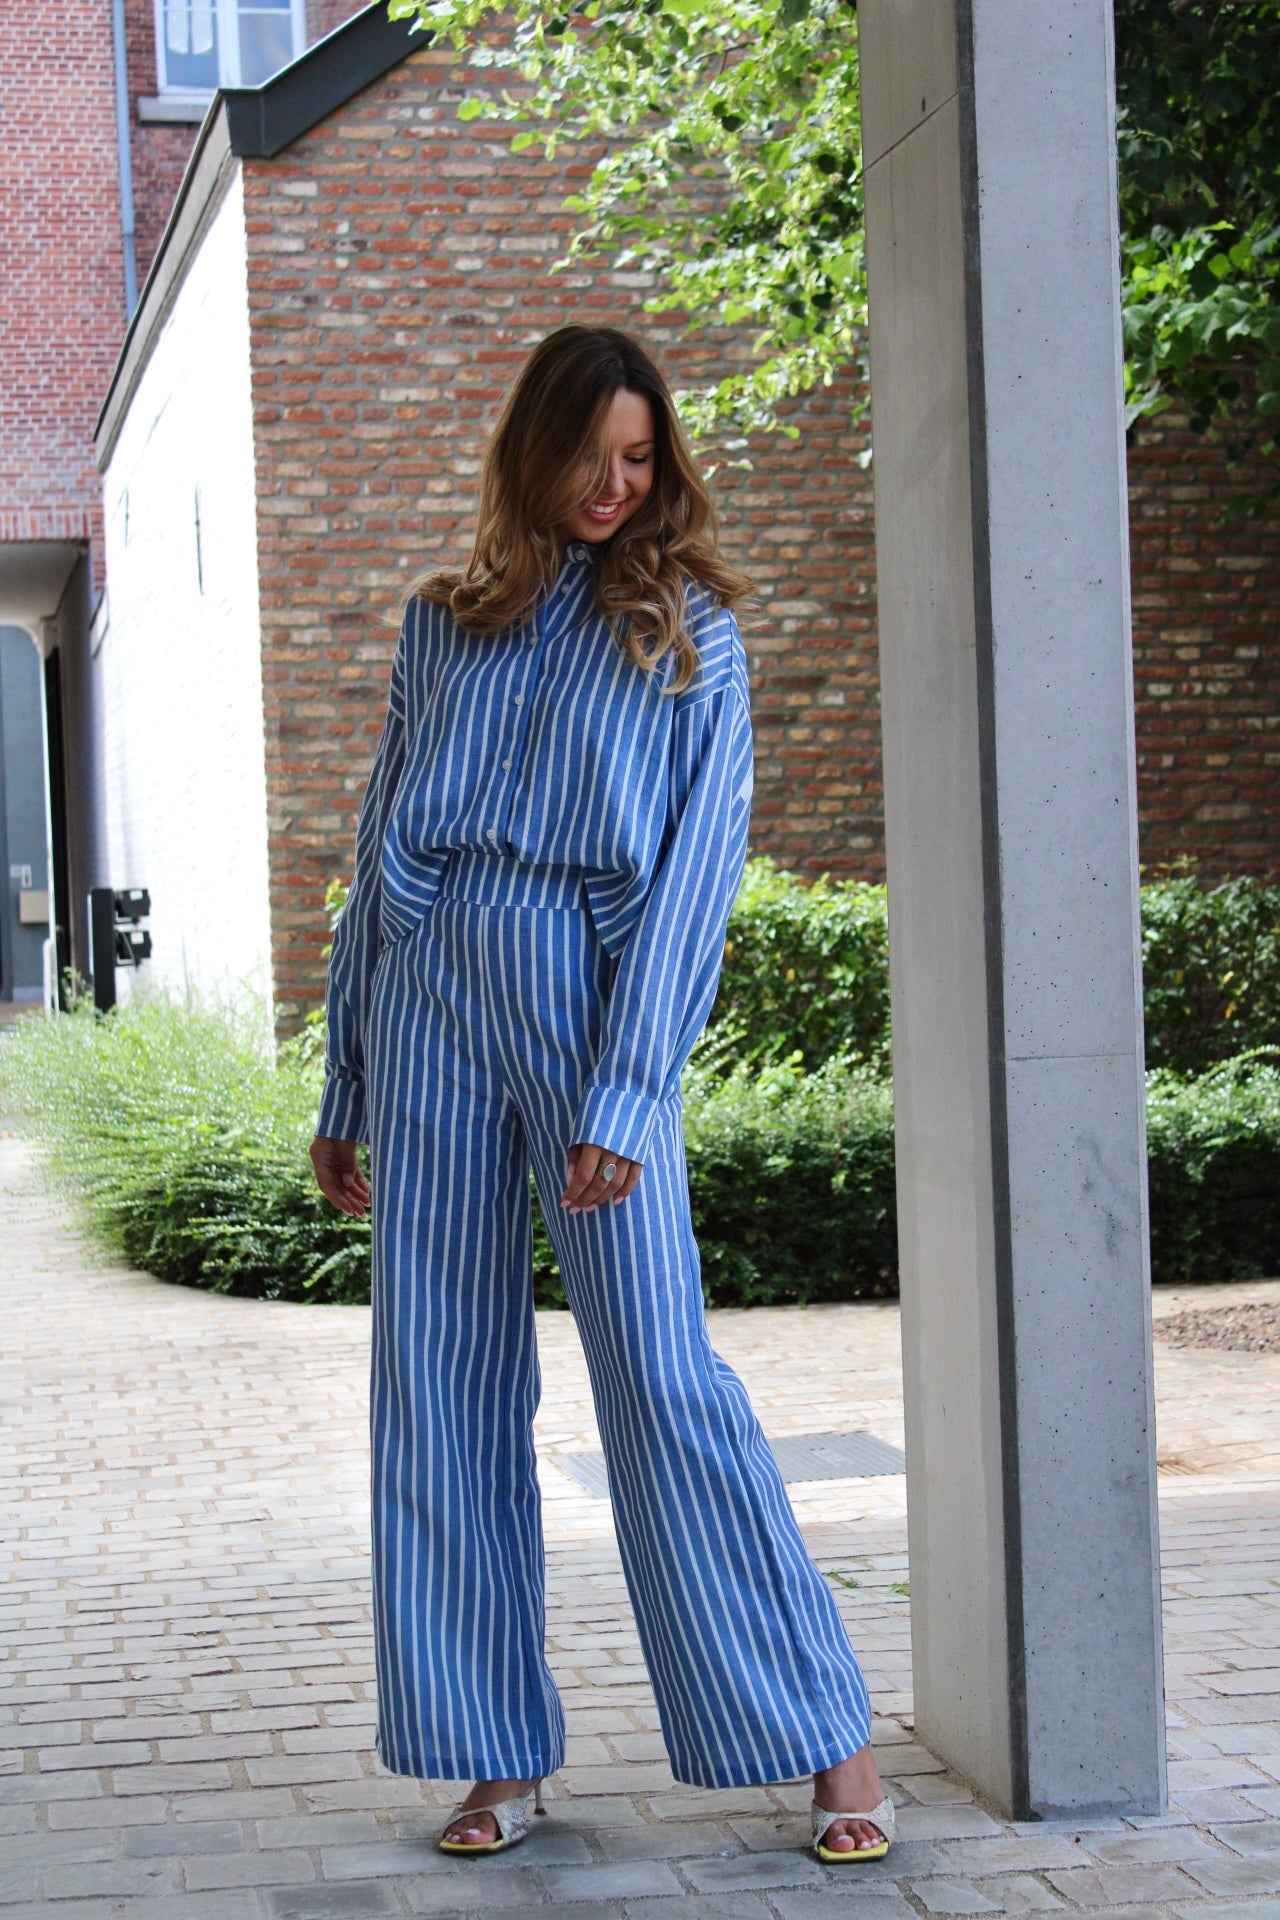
(180,685)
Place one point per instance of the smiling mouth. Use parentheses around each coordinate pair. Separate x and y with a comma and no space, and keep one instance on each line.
(604,513)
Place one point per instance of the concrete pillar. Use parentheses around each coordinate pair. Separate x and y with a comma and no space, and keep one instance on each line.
(1011,827)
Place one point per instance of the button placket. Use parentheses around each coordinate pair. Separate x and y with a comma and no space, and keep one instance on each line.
(520,702)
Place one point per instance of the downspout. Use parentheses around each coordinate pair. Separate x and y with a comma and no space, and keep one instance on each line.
(125,160)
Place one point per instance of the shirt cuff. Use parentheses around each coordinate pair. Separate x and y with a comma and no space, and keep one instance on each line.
(342,1110)
(619,1121)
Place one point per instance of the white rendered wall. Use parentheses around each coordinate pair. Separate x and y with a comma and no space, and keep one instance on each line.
(180,675)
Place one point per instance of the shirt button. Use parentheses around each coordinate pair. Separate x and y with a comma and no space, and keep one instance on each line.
(506,763)
(519,699)
(491,833)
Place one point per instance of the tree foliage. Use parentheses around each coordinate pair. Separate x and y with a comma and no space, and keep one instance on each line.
(730,169)
(1198,86)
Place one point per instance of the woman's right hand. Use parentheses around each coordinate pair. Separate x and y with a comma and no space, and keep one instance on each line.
(338,1175)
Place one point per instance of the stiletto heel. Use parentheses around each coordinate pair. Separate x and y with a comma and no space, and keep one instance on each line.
(537,1797)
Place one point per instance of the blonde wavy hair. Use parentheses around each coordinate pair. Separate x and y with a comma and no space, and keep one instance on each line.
(548,455)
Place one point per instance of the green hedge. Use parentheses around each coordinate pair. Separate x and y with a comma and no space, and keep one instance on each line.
(188,1148)
(806,969)
(1213,1160)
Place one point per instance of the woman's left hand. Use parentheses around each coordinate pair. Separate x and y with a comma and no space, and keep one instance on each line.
(586,1187)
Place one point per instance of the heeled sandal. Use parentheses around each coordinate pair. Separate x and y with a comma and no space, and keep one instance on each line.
(881,1817)
(510,1816)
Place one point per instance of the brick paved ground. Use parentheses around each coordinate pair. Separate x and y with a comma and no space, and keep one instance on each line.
(185,1684)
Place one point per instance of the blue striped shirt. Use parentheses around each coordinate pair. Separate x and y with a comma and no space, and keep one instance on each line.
(546,743)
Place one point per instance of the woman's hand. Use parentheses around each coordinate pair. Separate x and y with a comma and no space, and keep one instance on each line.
(586,1188)
(338,1175)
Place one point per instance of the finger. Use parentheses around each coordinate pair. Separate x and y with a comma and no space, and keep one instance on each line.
(587,1160)
(631,1182)
(357,1189)
(601,1189)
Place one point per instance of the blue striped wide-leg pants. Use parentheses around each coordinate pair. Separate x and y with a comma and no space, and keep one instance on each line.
(483,1023)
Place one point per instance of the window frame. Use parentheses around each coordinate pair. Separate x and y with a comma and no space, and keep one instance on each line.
(227,14)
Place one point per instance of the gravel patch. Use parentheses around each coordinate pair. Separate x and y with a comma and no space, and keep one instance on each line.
(1252,1327)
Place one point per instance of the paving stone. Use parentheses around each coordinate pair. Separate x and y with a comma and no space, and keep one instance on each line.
(201,1836)
(19,1882)
(697,1803)
(945,1823)
(70,1814)
(720,1875)
(317,1830)
(618,1880)
(200,1777)
(473,1892)
(243,1903)
(302,1769)
(1224,1874)
(206,1871)
(689,1906)
(356,1795)
(357,1900)
(1030,1853)
(1262,1836)
(953,1896)
(238,1803)
(1177,1844)
(1110,1886)
(840,1903)
(37,1789)
(1020,1893)
(666,1842)
(77,1880)
(1231,1910)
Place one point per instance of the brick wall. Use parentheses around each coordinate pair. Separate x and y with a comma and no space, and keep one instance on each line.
(62,289)
(1206,615)
(160,151)
(399,271)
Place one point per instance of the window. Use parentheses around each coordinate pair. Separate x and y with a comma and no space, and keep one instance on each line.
(205,44)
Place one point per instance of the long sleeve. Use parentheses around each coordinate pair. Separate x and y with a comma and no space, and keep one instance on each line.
(669,969)
(356,938)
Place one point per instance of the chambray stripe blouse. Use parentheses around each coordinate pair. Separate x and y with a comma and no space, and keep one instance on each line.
(547,744)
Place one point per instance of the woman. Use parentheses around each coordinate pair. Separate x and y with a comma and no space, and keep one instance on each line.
(551,841)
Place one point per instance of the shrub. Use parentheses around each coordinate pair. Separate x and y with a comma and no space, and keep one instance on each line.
(1211,970)
(791,1181)
(806,969)
(187,1144)
(1213,1159)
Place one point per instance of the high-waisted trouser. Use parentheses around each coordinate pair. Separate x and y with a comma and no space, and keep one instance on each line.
(483,1024)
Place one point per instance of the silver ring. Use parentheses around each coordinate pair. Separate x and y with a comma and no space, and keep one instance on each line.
(607,1173)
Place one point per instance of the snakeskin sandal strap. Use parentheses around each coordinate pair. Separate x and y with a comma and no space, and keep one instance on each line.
(881,1817)
(510,1816)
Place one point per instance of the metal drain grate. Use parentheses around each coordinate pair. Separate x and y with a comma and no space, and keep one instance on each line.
(800,1456)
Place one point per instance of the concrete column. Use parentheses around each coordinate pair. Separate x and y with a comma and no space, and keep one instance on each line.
(1011,826)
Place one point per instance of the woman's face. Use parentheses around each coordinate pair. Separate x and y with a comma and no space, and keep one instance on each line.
(628,477)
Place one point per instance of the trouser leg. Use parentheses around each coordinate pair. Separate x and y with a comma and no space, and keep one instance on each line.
(464,1690)
(751,1666)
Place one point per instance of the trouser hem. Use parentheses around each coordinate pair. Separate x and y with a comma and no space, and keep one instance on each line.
(476,1766)
(796,1766)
